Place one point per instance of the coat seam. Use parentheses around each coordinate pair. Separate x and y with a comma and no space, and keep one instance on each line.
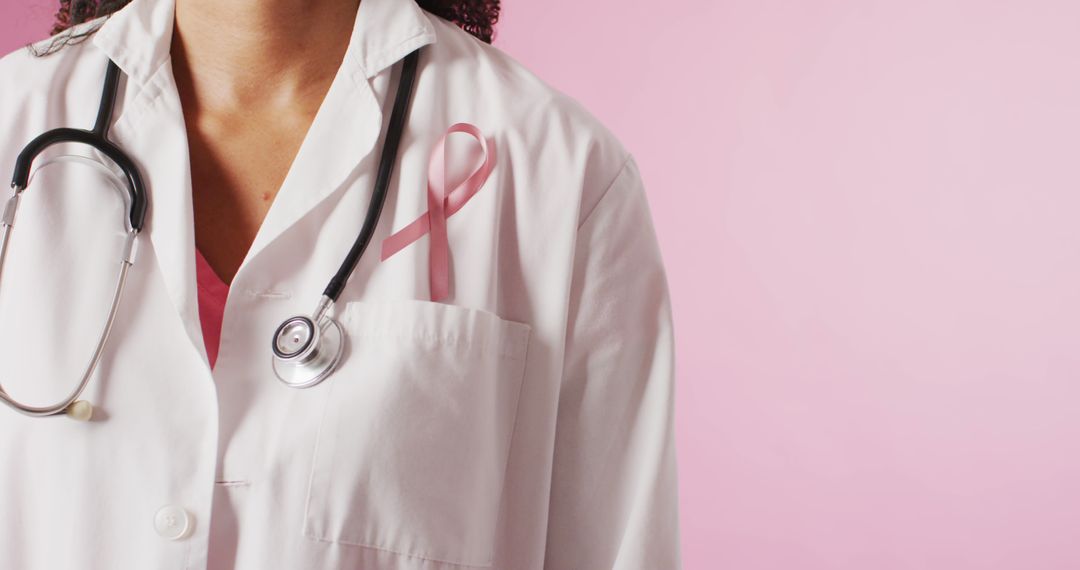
(607,189)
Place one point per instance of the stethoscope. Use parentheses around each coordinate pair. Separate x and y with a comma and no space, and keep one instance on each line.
(305,349)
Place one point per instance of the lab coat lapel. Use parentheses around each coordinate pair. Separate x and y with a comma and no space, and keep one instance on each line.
(150,127)
(342,136)
(341,141)
(338,145)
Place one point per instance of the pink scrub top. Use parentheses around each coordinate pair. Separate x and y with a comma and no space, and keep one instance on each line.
(212,294)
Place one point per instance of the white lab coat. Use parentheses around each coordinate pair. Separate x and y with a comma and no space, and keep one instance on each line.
(525,422)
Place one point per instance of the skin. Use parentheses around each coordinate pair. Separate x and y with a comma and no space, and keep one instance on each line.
(251,75)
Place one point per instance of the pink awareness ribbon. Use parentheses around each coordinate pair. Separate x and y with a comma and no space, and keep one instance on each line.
(442,204)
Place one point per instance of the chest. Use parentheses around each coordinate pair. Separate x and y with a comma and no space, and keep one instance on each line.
(238,163)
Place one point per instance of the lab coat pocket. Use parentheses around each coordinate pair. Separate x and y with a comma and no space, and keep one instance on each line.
(413,446)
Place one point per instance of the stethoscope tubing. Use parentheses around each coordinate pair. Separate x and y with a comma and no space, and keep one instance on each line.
(97,138)
(306,350)
(301,369)
(387,160)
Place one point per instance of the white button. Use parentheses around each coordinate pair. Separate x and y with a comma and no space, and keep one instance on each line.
(173,522)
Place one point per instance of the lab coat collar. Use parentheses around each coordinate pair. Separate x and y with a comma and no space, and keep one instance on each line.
(342,136)
(138,37)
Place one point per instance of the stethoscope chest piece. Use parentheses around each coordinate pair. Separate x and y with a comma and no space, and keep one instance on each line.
(305,354)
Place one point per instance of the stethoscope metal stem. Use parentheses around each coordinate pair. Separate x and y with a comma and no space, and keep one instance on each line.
(59,408)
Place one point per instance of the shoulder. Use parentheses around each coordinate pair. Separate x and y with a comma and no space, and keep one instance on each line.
(44,62)
(38,91)
(557,132)
(38,79)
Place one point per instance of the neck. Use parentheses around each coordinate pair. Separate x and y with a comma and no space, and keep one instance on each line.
(243,53)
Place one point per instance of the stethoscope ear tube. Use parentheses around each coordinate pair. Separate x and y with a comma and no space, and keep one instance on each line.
(72,405)
(97,138)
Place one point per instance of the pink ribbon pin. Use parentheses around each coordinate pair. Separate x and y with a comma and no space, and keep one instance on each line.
(442,204)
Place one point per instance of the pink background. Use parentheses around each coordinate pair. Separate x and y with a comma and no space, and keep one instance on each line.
(869,214)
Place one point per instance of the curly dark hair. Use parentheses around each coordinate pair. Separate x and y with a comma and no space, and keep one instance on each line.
(478,17)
